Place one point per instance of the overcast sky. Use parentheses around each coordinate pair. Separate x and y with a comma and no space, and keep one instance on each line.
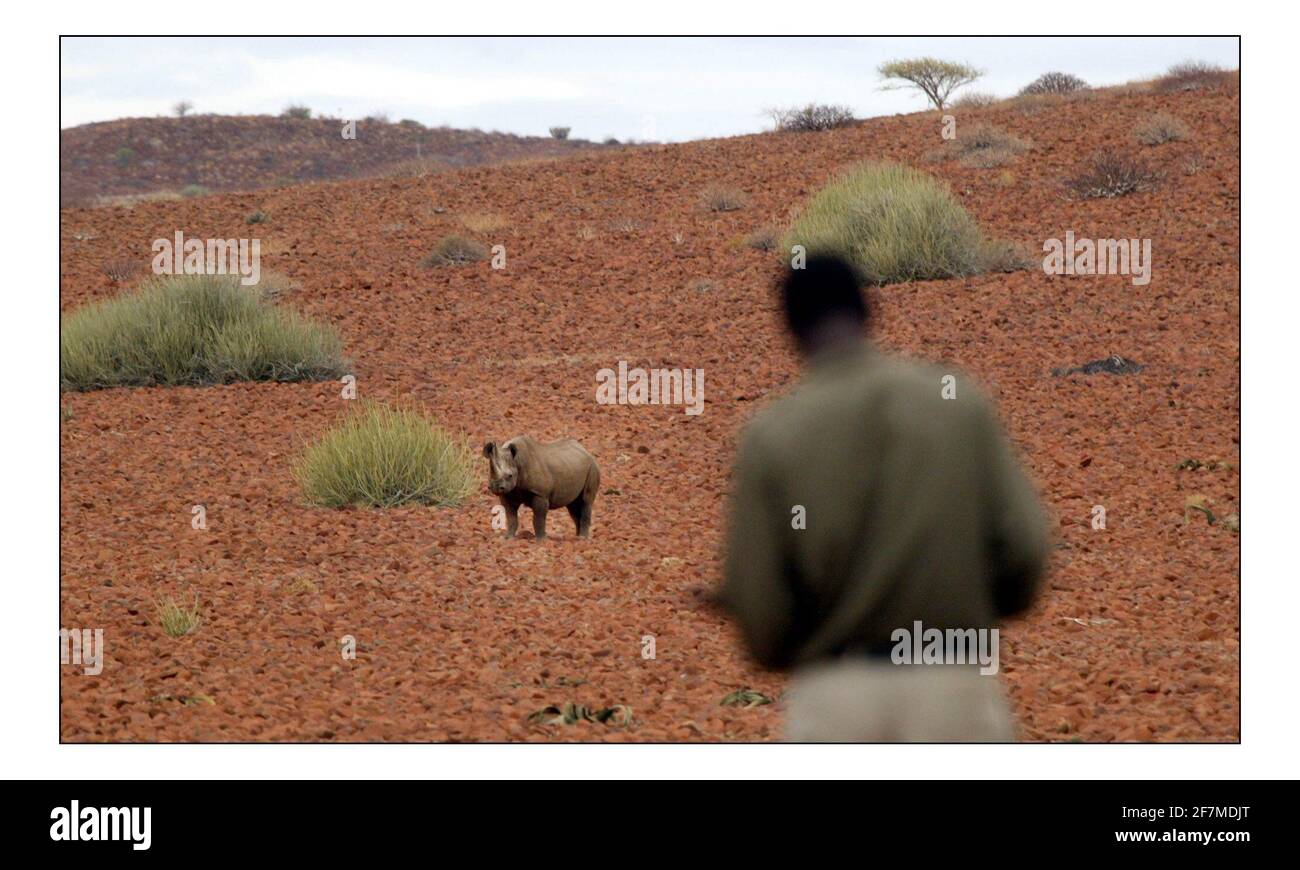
(665,89)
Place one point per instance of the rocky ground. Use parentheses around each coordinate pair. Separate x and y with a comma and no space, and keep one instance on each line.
(610,256)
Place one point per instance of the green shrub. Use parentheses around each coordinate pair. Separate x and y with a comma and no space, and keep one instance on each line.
(455,250)
(258,217)
(896,224)
(296,110)
(193,329)
(560,132)
(190,191)
(383,456)
(124,156)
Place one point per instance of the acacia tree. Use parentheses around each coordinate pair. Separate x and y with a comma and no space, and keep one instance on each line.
(935,78)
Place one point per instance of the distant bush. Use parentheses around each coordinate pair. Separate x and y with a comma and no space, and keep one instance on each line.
(981,146)
(975,100)
(455,250)
(1054,83)
(935,78)
(378,118)
(896,224)
(122,269)
(1109,174)
(124,156)
(258,217)
(192,330)
(762,239)
(811,118)
(611,141)
(182,108)
(192,190)
(296,110)
(1160,128)
(718,197)
(1192,75)
(381,456)
(560,132)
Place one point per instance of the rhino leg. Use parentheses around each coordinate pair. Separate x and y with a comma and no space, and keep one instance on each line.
(512,517)
(580,510)
(540,507)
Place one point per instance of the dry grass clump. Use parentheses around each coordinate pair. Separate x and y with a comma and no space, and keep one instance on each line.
(122,269)
(482,222)
(762,239)
(193,330)
(975,100)
(130,200)
(1109,174)
(718,197)
(980,146)
(897,224)
(455,250)
(176,620)
(383,456)
(1193,75)
(1159,128)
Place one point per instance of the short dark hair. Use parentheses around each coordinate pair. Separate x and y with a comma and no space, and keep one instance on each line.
(826,286)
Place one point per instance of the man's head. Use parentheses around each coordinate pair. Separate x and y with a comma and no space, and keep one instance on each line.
(823,302)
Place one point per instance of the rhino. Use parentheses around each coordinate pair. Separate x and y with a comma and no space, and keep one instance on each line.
(525,471)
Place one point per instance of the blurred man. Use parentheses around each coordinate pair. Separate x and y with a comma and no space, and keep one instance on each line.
(879,497)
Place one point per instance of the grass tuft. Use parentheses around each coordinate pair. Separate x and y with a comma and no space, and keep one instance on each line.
(176,620)
(897,224)
(193,330)
(383,456)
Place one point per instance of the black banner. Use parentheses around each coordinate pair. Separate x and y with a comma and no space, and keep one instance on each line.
(345,818)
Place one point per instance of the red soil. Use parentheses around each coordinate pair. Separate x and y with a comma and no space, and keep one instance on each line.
(245,152)
(461,634)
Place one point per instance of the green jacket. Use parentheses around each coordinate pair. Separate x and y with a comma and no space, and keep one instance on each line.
(913,505)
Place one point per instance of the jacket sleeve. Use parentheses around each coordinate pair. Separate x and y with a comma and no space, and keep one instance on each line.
(755,590)
(1017,528)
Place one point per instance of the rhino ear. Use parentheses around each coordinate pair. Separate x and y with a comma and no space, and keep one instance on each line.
(514,451)
(488,448)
